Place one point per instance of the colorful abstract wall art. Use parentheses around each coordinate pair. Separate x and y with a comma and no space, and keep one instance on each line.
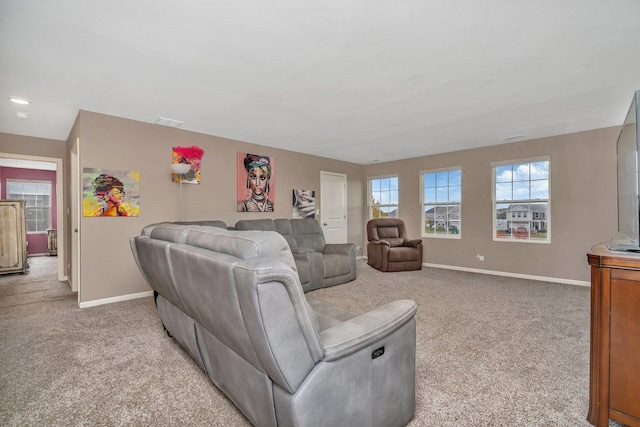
(191,156)
(110,192)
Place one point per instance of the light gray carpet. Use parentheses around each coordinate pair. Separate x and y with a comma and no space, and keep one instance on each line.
(491,351)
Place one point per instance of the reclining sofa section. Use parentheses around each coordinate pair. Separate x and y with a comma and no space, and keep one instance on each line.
(233,300)
(319,264)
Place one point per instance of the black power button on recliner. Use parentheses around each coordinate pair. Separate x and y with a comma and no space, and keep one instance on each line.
(377,353)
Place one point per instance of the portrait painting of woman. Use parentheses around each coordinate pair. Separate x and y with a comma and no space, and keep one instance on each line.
(110,193)
(255,183)
(304,204)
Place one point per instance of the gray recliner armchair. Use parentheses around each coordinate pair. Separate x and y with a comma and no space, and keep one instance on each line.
(233,300)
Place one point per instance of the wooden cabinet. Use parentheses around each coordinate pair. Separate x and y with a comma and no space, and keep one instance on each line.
(614,374)
(13,237)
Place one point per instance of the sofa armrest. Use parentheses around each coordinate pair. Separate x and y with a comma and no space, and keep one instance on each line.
(412,242)
(339,248)
(364,330)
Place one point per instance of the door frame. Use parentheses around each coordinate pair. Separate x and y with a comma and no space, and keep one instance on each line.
(59,201)
(75,209)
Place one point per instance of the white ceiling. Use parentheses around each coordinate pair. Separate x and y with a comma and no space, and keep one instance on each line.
(356,80)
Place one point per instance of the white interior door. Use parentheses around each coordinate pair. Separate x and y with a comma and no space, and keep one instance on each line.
(333,206)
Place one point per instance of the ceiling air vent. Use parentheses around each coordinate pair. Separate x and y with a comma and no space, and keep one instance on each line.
(168,122)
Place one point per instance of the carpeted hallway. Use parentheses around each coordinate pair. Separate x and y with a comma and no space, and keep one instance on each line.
(491,351)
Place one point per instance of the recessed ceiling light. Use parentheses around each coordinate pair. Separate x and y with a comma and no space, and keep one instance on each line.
(22,115)
(513,137)
(18,100)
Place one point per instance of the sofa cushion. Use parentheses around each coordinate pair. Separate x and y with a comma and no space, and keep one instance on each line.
(404,254)
(146,231)
(385,232)
(283,226)
(265,224)
(308,234)
(303,270)
(170,233)
(242,244)
(336,265)
(328,315)
(208,223)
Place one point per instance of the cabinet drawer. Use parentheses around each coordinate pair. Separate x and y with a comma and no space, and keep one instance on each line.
(632,275)
(625,342)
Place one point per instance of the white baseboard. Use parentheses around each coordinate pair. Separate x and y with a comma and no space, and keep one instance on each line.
(96,302)
(506,274)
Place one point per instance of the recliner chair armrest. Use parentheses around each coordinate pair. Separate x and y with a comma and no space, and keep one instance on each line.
(364,330)
(380,242)
(339,248)
(412,242)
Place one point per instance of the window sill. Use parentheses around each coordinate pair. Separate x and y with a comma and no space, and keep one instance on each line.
(537,242)
(442,236)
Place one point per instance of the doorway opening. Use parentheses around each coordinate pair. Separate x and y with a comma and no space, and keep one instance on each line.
(26,163)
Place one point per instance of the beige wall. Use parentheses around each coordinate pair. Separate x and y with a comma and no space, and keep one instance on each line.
(583,196)
(583,204)
(31,146)
(107,142)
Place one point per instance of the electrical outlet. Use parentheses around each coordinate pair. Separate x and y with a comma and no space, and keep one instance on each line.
(358,248)
(480,257)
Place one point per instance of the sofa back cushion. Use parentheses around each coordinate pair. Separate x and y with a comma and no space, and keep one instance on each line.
(265,224)
(208,223)
(308,234)
(242,244)
(390,235)
(387,232)
(299,233)
(283,226)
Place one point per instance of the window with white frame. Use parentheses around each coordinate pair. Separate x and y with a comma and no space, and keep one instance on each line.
(38,207)
(521,204)
(383,197)
(442,202)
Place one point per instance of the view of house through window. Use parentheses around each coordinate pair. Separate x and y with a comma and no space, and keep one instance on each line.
(441,202)
(521,200)
(383,197)
(38,206)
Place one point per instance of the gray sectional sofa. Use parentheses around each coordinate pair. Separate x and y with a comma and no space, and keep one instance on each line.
(234,301)
(319,264)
